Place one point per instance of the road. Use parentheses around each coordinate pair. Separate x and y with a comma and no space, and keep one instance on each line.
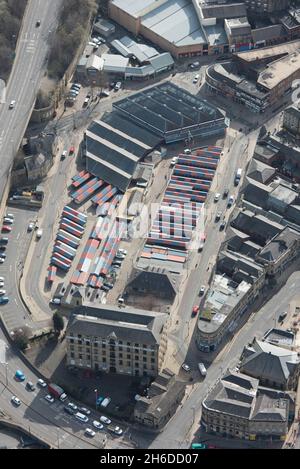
(23,84)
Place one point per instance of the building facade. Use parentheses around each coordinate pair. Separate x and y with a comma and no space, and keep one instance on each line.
(291,120)
(117,340)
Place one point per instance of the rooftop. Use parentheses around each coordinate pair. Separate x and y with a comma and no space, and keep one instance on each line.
(125,323)
(265,52)
(279,70)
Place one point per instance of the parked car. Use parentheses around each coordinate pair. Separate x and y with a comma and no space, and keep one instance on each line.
(89,432)
(115,430)
(84,410)
(2,292)
(3,255)
(71,150)
(202,369)
(72,406)
(174,161)
(122,251)
(104,288)
(63,155)
(222,225)
(68,410)
(55,301)
(10,215)
(195,310)
(218,216)
(202,290)
(2,248)
(97,425)
(120,256)
(2,260)
(30,226)
(108,285)
(118,86)
(196,78)
(117,263)
(30,386)
(185,367)
(16,401)
(4,299)
(230,201)
(49,398)
(38,23)
(12,104)
(8,221)
(41,383)
(105,420)
(6,229)
(225,193)
(217,197)
(81,417)
(19,375)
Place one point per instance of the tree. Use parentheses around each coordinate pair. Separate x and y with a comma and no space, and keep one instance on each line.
(58,322)
(21,337)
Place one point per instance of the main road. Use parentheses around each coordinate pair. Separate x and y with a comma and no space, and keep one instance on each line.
(29,66)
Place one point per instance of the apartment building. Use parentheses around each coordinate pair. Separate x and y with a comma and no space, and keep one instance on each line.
(115,339)
(266,6)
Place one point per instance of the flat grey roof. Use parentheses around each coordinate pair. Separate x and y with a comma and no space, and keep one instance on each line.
(132,7)
(176,22)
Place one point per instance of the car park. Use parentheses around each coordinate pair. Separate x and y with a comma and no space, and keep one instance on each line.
(49,398)
(41,383)
(185,367)
(105,420)
(195,310)
(16,401)
(19,375)
(30,386)
(97,425)
(84,410)
(89,432)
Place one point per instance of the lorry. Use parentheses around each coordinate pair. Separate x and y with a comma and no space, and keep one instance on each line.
(238,175)
(57,392)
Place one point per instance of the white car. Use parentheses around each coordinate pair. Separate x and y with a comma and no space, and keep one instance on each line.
(49,398)
(174,160)
(55,301)
(116,430)
(89,432)
(97,425)
(122,251)
(2,260)
(12,104)
(230,201)
(2,280)
(16,401)
(185,367)
(196,78)
(2,292)
(10,215)
(118,85)
(1,283)
(41,383)
(202,290)
(105,420)
(217,197)
(30,226)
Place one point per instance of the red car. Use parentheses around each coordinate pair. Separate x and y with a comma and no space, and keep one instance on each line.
(72,150)
(195,310)
(6,229)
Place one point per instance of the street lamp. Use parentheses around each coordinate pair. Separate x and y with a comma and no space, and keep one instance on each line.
(96,393)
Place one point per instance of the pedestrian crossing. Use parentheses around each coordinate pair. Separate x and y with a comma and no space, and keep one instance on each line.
(30,47)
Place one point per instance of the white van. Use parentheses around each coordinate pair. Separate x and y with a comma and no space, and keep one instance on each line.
(202,369)
(105,402)
(81,417)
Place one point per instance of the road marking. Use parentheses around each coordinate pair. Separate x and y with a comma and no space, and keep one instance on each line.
(16,302)
(18,236)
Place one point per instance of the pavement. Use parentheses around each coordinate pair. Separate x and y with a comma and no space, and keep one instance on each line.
(29,64)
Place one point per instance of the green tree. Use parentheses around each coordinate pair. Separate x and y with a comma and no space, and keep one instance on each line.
(58,322)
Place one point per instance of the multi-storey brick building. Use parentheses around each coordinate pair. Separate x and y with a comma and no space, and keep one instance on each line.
(117,340)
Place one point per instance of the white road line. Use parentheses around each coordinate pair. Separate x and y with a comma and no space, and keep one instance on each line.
(16,302)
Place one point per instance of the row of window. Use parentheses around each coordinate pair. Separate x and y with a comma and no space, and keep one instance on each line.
(110,342)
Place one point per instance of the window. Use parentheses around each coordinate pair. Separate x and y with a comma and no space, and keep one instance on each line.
(152,360)
(80,356)
(121,355)
(95,344)
(144,352)
(136,357)
(120,362)
(128,344)
(136,345)
(72,354)
(128,363)
(144,359)
(88,357)
(79,336)
(128,357)
(71,341)
(103,346)
(79,342)
(120,342)
(104,360)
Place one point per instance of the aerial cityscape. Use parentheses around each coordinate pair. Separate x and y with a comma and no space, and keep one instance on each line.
(150,225)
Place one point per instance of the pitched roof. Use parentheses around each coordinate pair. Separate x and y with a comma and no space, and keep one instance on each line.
(269,362)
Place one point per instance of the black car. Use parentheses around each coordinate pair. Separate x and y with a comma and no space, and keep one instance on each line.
(225,193)
(222,226)
(2,248)
(108,285)
(69,410)
(38,23)
(218,216)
